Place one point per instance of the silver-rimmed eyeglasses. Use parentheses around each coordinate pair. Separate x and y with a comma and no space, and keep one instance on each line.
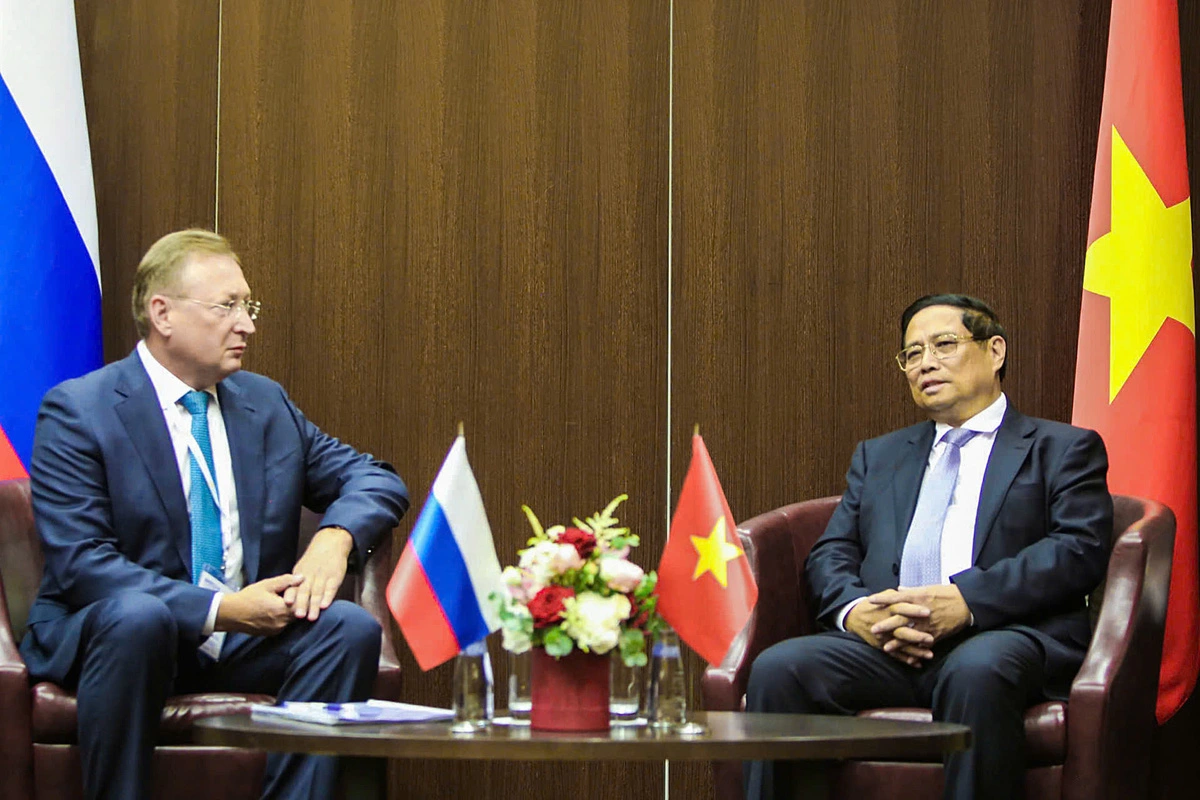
(942,347)
(232,308)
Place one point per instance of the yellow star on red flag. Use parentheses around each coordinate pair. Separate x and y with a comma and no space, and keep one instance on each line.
(1143,265)
(715,552)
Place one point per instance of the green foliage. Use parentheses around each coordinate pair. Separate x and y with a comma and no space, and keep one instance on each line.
(557,643)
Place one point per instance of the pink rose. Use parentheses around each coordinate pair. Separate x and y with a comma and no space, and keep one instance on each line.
(620,575)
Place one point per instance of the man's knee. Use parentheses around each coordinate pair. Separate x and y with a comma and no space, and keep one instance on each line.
(133,623)
(1005,665)
(352,625)
(781,674)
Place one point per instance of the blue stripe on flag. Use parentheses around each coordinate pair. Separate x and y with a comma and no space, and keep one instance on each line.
(438,552)
(49,295)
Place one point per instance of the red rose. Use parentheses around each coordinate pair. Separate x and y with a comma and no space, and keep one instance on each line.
(583,541)
(547,605)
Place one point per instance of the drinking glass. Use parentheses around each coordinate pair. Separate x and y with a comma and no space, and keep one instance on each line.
(520,691)
(473,695)
(625,691)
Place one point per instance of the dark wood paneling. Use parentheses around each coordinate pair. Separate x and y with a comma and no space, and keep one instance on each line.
(150,87)
(457,211)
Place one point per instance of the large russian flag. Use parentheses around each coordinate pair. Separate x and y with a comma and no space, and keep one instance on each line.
(49,249)
(439,591)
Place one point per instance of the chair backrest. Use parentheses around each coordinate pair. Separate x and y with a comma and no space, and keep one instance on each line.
(778,543)
(1127,513)
(20,555)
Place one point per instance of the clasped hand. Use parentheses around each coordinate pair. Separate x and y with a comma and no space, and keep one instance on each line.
(268,606)
(905,623)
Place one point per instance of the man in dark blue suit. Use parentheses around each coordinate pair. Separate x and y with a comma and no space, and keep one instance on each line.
(167,490)
(954,573)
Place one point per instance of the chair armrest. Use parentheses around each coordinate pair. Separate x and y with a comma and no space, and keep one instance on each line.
(16,715)
(1111,711)
(372,597)
(776,544)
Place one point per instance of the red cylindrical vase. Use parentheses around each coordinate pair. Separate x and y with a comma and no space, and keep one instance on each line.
(569,693)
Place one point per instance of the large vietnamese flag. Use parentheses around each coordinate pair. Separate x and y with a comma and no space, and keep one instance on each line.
(1135,381)
(705,588)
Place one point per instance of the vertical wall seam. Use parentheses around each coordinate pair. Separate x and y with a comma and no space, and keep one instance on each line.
(670,282)
(670,236)
(217,144)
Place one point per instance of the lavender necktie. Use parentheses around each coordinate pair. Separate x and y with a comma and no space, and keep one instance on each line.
(921,561)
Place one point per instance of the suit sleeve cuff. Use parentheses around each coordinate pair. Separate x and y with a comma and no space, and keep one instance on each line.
(210,622)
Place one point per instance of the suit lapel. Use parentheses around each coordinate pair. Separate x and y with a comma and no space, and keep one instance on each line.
(243,428)
(143,419)
(1013,440)
(906,485)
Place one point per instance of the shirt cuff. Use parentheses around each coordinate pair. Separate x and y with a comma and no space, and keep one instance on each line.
(210,623)
(845,612)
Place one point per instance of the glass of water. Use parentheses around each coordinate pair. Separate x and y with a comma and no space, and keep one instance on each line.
(472,689)
(520,693)
(625,691)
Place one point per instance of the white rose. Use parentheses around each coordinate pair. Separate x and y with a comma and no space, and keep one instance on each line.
(537,561)
(620,575)
(594,621)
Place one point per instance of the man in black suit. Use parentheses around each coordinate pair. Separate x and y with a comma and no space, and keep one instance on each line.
(953,575)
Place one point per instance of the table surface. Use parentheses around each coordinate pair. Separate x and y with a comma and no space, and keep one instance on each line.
(729,736)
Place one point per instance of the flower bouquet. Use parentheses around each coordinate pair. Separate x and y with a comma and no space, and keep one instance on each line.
(575,587)
(573,598)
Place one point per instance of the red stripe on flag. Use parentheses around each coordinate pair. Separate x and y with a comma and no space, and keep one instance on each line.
(10,466)
(419,614)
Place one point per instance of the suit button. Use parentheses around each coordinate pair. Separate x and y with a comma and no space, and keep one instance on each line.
(896,570)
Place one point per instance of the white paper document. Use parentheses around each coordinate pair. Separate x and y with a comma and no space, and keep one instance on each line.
(371,712)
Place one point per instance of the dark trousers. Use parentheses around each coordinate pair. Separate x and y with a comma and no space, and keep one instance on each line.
(985,681)
(131,660)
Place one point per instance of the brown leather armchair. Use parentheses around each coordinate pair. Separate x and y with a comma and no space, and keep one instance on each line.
(1095,745)
(38,742)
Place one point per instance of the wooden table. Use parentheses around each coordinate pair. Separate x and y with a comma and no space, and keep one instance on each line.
(812,742)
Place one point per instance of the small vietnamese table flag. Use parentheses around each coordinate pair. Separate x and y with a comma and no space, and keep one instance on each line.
(1135,379)
(439,591)
(705,588)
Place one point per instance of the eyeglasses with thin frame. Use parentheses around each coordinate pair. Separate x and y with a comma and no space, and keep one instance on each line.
(942,347)
(252,308)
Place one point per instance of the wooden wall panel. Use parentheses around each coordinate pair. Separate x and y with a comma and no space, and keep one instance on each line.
(150,87)
(457,211)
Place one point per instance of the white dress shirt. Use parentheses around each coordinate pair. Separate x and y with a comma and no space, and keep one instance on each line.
(170,391)
(958,530)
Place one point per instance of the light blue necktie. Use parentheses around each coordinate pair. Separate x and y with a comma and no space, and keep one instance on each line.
(207,549)
(921,561)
